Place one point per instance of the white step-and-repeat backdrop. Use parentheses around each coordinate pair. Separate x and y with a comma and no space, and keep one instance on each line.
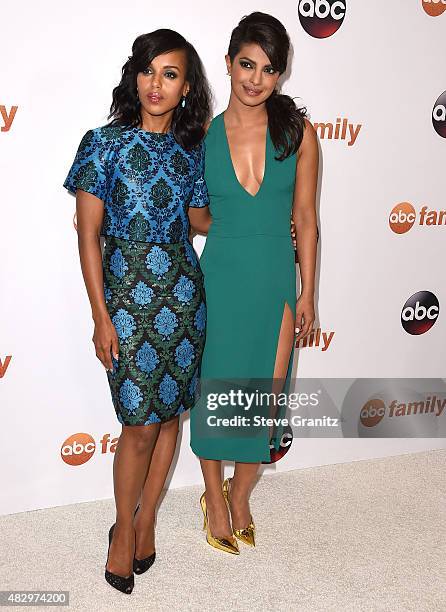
(372,78)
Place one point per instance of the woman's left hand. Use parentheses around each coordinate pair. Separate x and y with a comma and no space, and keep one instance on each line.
(293,234)
(304,316)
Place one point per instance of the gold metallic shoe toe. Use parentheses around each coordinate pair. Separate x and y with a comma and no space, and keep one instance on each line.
(246,535)
(224,544)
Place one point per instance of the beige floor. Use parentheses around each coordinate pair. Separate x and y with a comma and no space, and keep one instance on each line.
(364,536)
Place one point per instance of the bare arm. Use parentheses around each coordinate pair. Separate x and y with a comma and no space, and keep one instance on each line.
(200,219)
(304,217)
(90,213)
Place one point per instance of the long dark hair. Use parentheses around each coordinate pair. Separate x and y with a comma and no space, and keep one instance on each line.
(285,121)
(187,123)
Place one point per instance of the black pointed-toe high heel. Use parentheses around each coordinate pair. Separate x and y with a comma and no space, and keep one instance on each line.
(124,584)
(142,565)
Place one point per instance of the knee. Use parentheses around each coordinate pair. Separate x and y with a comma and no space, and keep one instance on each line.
(142,436)
(171,426)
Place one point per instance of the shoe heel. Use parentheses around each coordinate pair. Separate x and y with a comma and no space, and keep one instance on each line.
(124,584)
(203,508)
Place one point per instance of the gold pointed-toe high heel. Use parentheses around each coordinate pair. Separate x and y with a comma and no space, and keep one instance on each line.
(246,535)
(225,544)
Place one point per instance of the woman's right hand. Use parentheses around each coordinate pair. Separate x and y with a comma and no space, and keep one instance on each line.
(105,340)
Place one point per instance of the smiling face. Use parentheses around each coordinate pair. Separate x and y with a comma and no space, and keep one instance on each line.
(253,79)
(163,83)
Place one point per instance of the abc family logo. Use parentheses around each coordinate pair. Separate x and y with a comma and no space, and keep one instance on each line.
(420,312)
(321,18)
(80,447)
(403,216)
(374,410)
(434,7)
(439,115)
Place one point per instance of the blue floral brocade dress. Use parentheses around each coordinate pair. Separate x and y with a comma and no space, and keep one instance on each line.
(153,284)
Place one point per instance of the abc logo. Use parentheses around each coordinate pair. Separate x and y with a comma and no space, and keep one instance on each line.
(285,442)
(372,412)
(420,312)
(439,115)
(402,218)
(78,449)
(434,7)
(321,18)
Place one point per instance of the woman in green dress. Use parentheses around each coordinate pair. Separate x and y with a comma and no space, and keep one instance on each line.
(254,150)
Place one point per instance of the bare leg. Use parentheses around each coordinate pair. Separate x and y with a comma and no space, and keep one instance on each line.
(284,348)
(245,473)
(132,458)
(239,492)
(219,523)
(156,477)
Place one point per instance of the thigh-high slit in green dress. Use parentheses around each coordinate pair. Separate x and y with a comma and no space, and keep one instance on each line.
(249,275)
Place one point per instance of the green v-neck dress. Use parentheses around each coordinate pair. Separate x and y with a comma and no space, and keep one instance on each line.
(249,274)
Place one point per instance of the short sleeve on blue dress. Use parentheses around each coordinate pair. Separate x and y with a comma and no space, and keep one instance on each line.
(88,171)
(200,195)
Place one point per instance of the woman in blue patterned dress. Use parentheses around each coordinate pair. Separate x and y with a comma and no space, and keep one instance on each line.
(134,180)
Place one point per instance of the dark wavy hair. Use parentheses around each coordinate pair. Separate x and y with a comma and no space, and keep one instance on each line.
(286,122)
(188,122)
